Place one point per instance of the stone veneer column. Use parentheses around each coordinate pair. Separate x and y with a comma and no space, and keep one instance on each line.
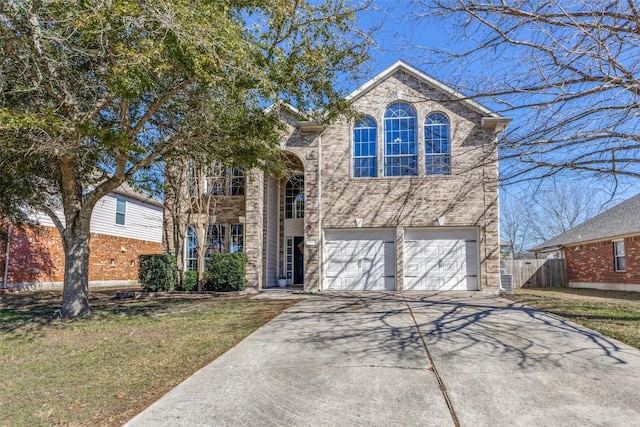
(254,228)
(312,229)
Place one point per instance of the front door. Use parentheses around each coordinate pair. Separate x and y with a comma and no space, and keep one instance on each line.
(298,260)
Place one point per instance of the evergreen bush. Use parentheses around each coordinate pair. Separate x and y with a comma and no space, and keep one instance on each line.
(158,272)
(226,272)
(190,281)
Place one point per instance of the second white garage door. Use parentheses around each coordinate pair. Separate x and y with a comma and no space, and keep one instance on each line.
(440,260)
(359,260)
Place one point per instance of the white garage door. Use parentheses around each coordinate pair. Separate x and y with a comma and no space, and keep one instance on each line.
(362,260)
(440,260)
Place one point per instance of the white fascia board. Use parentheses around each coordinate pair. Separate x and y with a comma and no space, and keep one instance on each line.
(286,106)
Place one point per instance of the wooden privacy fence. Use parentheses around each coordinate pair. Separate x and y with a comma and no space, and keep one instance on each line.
(536,273)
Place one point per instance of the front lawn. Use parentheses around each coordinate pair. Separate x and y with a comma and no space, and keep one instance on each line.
(615,314)
(107,367)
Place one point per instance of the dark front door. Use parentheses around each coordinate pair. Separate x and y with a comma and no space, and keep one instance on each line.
(298,260)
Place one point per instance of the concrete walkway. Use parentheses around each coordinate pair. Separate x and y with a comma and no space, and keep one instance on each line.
(412,359)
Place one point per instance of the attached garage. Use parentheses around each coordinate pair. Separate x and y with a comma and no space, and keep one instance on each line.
(441,259)
(359,260)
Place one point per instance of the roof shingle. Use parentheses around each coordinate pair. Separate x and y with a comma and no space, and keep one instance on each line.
(620,220)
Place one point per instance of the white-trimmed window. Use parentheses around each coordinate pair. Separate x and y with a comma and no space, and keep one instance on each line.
(365,154)
(237,181)
(294,197)
(216,180)
(437,147)
(618,255)
(191,254)
(236,238)
(217,239)
(121,210)
(400,140)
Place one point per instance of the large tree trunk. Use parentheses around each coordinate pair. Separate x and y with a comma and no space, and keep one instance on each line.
(75,294)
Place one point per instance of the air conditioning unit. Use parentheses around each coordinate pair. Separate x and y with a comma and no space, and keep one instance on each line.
(506,282)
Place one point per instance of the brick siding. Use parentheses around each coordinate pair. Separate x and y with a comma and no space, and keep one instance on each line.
(37,256)
(594,262)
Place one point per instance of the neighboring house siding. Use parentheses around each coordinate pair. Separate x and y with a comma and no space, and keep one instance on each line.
(594,262)
(37,256)
(142,221)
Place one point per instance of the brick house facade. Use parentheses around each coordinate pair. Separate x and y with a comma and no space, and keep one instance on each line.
(604,251)
(36,255)
(405,197)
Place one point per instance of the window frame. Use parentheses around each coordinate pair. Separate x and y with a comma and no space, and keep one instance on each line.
(401,119)
(437,161)
(292,200)
(121,201)
(191,249)
(236,238)
(369,125)
(619,261)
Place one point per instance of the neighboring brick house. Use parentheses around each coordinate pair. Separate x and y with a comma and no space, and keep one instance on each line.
(604,251)
(124,225)
(405,197)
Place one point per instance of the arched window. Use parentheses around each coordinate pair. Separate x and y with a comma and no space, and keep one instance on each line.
(294,197)
(400,140)
(437,146)
(365,154)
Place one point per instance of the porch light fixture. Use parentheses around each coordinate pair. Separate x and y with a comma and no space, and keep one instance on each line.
(358,222)
(440,220)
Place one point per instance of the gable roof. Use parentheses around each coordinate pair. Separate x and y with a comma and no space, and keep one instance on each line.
(128,191)
(435,84)
(620,220)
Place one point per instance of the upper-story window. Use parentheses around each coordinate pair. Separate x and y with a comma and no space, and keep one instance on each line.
(236,181)
(294,197)
(400,140)
(216,180)
(121,210)
(365,154)
(437,147)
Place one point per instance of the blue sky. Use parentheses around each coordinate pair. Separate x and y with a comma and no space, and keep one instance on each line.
(402,36)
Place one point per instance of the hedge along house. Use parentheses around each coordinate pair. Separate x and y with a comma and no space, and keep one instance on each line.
(124,224)
(604,251)
(404,198)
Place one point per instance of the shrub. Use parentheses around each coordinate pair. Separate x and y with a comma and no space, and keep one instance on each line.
(225,272)
(190,281)
(158,272)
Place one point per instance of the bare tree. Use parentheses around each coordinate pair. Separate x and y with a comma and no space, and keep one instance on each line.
(515,231)
(568,71)
(533,213)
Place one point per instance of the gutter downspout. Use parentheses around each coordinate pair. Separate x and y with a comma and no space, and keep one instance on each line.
(320,232)
(6,260)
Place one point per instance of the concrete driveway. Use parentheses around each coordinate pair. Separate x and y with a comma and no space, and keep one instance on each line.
(412,359)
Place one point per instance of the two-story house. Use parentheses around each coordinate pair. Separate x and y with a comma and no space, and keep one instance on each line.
(403,198)
(124,225)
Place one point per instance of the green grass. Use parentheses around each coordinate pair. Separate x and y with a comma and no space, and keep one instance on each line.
(615,314)
(105,368)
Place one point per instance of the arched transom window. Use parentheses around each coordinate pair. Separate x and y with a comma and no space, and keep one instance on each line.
(437,146)
(365,154)
(294,197)
(400,140)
